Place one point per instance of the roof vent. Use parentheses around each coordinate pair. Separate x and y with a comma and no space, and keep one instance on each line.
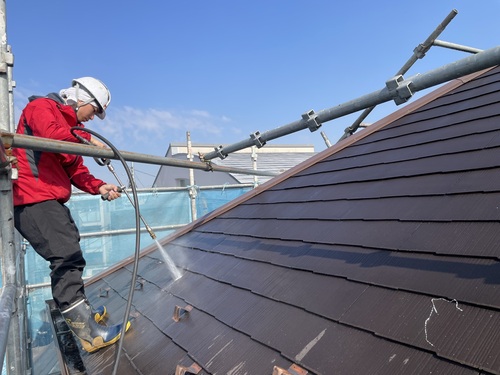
(292,370)
(194,369)
(180,312)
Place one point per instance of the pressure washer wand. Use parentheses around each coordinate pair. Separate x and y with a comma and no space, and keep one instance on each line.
(121,188)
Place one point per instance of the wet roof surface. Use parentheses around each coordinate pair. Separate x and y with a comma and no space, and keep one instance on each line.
(380,256)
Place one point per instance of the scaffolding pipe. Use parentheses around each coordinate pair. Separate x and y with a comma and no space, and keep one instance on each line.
(458,47)
(173,189)
(10,87)
(397,89)
(111,232)
(13,305)
(325,138)
(6,60)
(7,301)
(356,124)
(192,188)
(254,164)
(15,350)
(50,145)
(418,53)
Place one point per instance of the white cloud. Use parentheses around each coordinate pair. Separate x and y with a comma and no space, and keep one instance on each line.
(143,124)
(151,130)
(196,112)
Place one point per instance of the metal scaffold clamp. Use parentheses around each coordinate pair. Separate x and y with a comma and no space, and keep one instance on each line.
(219,152)
(208,163)
(311,119)
(8,162)
(6,60)
(14,173)
(257,139)
(209,167)
(421,50)
(399,89)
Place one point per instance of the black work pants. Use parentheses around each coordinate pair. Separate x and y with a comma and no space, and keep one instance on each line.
(50,229)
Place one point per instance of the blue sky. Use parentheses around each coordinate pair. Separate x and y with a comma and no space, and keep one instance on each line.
(224,69)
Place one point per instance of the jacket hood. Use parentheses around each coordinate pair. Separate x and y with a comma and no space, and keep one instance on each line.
(54,96)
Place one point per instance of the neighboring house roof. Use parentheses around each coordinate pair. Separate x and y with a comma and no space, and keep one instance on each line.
(271,158)
(379,255)
(278,162)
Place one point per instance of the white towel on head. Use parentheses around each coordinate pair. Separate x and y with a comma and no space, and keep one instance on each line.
(73,94)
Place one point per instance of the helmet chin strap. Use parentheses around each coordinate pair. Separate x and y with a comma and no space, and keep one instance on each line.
(77,88)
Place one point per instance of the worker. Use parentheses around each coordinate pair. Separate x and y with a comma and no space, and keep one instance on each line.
(41,191)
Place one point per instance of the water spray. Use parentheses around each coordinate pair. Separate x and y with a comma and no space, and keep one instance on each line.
(176,274)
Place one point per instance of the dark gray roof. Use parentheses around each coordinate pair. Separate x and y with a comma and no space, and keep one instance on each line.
(380,255)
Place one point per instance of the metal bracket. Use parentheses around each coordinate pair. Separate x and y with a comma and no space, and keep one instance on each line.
(7,60)
(180,312)
(311,120)
(104,292)
(8,161)
(14,172)
(399,92)
(139,284)
(421,50)
(257,139)
(208,166)
(193,191)
(194,369)
(292,370)
(208,163)
(219,152)
(7,139)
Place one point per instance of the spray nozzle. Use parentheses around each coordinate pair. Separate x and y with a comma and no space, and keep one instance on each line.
(150,231)
(104,197)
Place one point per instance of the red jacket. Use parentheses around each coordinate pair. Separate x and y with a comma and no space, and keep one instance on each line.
(45,175)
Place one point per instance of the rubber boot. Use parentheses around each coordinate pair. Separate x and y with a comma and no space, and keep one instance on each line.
(93,336)
(100,313)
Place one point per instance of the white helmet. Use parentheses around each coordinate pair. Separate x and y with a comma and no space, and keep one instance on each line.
(97,90)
